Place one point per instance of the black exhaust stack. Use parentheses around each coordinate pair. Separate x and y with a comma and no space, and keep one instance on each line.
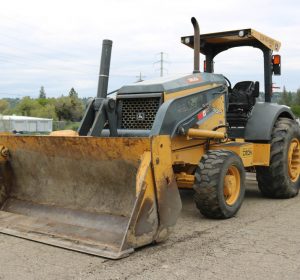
(104,69)
(196,46)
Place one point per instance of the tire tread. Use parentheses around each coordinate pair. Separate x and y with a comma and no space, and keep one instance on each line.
(272,180)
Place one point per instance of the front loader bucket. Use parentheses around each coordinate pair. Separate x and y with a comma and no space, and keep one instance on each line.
(102,196)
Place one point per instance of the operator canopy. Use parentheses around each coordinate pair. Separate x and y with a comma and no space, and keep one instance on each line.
(221,41)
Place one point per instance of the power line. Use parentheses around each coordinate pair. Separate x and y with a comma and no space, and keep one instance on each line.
(161,64)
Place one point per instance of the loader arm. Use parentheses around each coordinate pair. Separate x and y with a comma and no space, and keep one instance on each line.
(100,111)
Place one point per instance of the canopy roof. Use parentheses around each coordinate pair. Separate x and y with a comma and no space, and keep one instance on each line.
(218,42)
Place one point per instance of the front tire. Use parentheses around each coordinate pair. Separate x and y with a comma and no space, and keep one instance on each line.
(282,178)
(219,184)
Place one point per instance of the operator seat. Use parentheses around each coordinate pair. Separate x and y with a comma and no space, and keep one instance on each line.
(241,100)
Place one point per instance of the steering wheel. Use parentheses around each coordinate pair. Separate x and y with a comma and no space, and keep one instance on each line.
(228,82)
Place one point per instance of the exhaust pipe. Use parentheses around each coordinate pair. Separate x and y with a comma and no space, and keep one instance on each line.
(104,69)
(196,46)
(94,118)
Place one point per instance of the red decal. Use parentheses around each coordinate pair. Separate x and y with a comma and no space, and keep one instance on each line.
(200,116)
(194,79)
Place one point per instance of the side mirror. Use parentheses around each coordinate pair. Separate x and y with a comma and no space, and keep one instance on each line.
(276,62)
(256,89)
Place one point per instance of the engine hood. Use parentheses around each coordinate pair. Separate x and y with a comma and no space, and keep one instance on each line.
(171,84)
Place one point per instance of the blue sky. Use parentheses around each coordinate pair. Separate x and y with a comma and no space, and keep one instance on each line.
(57,44)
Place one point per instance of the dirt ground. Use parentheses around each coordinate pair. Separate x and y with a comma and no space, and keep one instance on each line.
(261,242)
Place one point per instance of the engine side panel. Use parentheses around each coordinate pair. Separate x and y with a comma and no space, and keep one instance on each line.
(182,110)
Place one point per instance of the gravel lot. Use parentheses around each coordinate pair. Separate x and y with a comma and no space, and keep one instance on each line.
(261,242)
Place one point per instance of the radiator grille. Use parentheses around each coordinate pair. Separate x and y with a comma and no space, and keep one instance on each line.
(139,113)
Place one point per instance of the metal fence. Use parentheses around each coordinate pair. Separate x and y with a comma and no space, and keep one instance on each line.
(25,124)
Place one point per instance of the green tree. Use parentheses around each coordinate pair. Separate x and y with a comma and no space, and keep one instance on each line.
(297,97)
(290,99)
(32,108)
(4,105)
(12,103)
(296,110)
(63,108)
(26,106)
(47,111)
(284,97)
(69,109)
(42,94)
(73,93)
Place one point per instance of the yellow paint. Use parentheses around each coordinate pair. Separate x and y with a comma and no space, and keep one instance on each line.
(180,142)
(167,194)
(192,150)
(232,185)
(261,154)
(253,36)
(78,148)
(4,153)
(143,171)
(146,199)
(201,133)
(162,159)
(251,153)
(272,44)
(218,118)
(66,132)
(189,155)
(6,133)
(184,180)
(294,160)
(173,95)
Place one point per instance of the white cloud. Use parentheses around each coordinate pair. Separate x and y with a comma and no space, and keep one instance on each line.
(57,43)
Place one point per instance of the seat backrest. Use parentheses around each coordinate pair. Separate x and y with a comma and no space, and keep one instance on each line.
(242,98)
(244,92)
(245,86)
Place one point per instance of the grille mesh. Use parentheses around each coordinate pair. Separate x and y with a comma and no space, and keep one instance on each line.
(139,113)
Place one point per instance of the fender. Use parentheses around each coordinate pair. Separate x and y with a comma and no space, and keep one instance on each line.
(262,120)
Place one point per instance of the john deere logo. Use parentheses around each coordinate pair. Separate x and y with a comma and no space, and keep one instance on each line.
(140,116)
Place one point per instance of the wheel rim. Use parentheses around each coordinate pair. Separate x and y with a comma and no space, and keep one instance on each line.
(294,160)
(232,185)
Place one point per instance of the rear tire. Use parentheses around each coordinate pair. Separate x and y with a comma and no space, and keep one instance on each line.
(219,184)
(282,178)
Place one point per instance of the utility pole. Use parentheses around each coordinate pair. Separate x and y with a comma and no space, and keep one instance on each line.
(161,62)
(140,77)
